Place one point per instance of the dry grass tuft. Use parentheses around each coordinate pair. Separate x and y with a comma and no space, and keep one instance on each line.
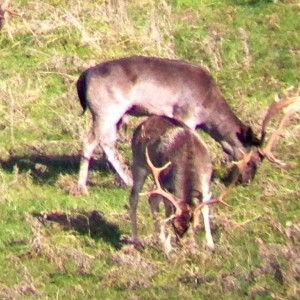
(245,47)
(41,245)
(25,288)
(280,261)
(213,48)
(82,260)
(131,270)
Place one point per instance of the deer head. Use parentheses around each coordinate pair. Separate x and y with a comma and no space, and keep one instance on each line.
(184,215)
(288,104)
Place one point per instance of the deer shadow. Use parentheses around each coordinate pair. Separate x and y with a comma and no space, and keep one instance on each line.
(90,223)
(46,168)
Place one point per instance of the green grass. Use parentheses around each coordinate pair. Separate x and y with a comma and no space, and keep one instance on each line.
(252,50)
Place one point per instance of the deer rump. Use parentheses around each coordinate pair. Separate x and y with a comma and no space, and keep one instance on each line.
(155,86)
(187,178)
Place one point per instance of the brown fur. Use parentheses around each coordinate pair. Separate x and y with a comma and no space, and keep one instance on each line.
(155,86)
(188,176)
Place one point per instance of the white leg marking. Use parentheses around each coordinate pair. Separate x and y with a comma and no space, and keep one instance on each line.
(209,239)
(205,214)
(165,240)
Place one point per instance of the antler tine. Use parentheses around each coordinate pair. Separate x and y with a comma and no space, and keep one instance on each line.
(274,108)
(209,202)
(267,151)
(241,165)
(289,106)
(155,170)
(277,105)
(159,190)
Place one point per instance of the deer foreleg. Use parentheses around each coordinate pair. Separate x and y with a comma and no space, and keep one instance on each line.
(139,175)
(209,239)
(205,214)
(154,201)
(89,145)
(166,239)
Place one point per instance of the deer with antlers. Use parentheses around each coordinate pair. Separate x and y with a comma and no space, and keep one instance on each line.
(183,180)
(182,177)
(155,86)
(289,104)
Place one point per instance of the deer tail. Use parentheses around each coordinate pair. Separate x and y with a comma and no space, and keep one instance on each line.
(81,90)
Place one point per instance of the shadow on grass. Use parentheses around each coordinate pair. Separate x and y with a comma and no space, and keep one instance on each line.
(90,223)
(47,168)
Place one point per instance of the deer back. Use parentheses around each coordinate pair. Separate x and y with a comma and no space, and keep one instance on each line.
(168,140)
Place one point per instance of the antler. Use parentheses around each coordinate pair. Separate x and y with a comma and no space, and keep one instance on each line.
(159,190)
(289,106)
(178,209)
(241,165)
(4,9)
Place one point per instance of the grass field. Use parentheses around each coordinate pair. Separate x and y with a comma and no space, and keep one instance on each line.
(252,48)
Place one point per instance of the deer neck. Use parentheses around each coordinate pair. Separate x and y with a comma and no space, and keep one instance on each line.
(227,129)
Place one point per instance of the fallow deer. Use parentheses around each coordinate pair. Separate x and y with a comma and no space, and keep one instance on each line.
(183,177)
(289,105)
(183,181)
(156,86)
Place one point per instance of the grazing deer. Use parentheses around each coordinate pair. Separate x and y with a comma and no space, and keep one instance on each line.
(155,86)
(183,182)
(183,179)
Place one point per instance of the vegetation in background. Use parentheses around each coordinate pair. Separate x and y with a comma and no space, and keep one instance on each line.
(251,48)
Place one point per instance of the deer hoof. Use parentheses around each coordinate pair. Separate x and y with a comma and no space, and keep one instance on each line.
(210,246)
(138,244)
(78,190)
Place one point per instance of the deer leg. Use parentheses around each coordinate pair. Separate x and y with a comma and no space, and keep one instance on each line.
(139,175)
(104,131)
(168,209)
(205,214)
(105,128)
(108,140)
(209,239)
(89,145)
(117,163)
(167,244)
(165,236)
(154,201)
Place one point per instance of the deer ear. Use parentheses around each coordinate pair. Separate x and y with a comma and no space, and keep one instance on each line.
(247,137)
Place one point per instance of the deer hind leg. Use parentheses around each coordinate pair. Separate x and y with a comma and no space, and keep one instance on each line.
(97,133)
(104,131)
(89,145)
